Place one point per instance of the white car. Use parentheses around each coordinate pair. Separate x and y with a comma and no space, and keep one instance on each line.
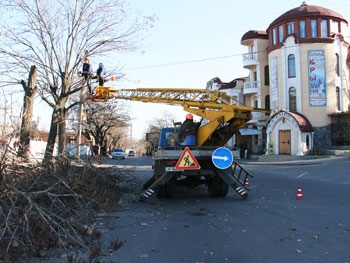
(118,153)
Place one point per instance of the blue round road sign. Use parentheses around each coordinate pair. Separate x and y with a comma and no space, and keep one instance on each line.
(222,158)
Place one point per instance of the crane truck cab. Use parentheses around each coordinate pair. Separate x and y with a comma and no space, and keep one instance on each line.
(167,138)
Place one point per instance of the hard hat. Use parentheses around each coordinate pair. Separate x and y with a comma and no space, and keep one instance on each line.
(189,116)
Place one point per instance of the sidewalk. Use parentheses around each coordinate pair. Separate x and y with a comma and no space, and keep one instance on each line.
(291,159)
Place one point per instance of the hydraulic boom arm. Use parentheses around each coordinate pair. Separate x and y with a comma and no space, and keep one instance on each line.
(224,114)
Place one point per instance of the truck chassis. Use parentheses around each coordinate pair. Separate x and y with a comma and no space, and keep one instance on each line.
(166,178)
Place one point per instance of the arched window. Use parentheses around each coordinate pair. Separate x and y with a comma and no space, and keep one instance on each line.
(291,66)
(267,75)
(292,99)
(336,62)
(337,96)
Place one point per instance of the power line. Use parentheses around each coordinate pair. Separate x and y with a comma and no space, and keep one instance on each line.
(184,62)
(209,30)
(192,61)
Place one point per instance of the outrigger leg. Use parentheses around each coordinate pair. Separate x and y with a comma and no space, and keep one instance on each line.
(229,178)
(166,177)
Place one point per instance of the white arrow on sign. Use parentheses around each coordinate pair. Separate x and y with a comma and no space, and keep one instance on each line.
(225,158)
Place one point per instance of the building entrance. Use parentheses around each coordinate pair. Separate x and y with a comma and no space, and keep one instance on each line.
(284,141)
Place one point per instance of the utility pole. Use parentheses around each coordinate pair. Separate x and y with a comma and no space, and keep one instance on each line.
(80,118)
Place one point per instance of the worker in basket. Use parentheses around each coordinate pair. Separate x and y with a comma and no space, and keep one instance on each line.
(187,135)
(100,74)
(87,73)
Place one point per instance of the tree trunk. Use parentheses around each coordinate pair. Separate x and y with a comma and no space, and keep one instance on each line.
(57,122)
(52,137)
(27,114)
(62,132)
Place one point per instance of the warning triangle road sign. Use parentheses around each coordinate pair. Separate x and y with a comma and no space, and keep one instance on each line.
(187,161)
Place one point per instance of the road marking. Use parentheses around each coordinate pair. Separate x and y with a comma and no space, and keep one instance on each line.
(301,175)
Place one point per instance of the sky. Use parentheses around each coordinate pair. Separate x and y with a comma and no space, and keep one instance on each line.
(192,42)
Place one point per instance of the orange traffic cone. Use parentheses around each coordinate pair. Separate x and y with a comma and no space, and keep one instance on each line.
(299,194)
(246,184)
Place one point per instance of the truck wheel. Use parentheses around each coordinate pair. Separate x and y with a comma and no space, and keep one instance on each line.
(167,190)
(217,187)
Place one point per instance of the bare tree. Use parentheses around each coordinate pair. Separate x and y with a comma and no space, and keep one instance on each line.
(55,36)
(154,129)
(106,119)
(29,92)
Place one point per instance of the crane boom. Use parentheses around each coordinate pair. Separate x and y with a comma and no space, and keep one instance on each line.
(165,95)
(223,112)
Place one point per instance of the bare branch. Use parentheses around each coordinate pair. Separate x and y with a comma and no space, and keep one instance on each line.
(55,36)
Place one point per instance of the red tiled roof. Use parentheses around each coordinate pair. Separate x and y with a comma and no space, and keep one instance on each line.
(254,34)
(230,85)
(304,124)
(306,11)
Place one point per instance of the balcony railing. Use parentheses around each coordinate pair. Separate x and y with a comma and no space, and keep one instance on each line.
(251,87)
(250,59)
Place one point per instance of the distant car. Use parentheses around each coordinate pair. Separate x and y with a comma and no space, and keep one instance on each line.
(131,153)
(118,153)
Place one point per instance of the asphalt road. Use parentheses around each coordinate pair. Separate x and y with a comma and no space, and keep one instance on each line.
(271,226)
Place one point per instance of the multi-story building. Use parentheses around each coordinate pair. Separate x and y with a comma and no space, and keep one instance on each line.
(299,68)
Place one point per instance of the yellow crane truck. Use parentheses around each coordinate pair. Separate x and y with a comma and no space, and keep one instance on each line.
(222,115)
